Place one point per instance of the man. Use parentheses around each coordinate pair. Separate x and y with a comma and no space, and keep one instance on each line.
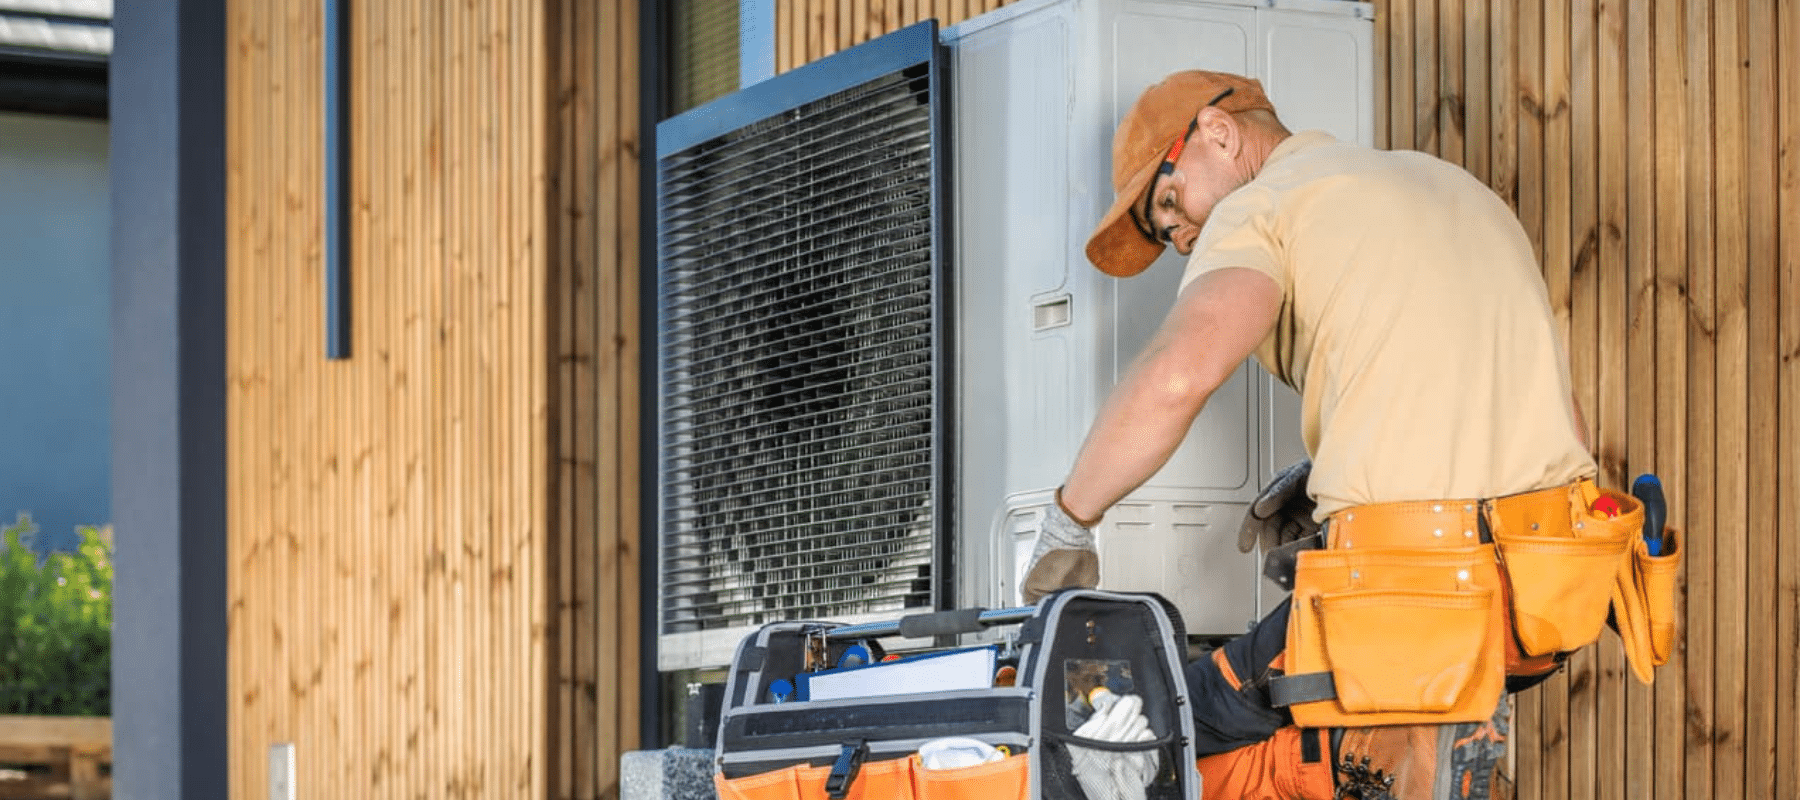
(1402,299)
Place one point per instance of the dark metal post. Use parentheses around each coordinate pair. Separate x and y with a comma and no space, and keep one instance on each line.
(651,102)
(168,341)
(337,178)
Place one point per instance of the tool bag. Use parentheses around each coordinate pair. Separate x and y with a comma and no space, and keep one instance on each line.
(779,741)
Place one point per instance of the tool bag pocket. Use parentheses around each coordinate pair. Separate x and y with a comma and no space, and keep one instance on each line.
(1006,779)
(1562,574)
(1405,636)
(875,780)
(1643,603)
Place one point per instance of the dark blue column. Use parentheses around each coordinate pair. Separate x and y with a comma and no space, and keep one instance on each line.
(168,339)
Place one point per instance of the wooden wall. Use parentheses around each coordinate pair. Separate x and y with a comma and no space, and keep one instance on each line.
(808,30)
(390,541)
(1652,150)
(594,341)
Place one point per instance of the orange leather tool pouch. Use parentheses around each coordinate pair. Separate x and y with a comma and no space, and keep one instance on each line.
(1407,635)
(1643,602)
(1563,560)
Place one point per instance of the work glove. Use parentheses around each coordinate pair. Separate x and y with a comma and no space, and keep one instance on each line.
(1107,775)
(1283,513)
(1063,556)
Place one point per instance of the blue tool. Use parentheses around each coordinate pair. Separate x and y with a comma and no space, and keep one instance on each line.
(781,690)
(855,655)
(1648,490)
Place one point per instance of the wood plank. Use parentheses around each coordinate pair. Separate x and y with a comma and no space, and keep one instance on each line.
(844,19)
(243,230)
(390,372)
(627,645)
(1701,331)
(1476,103)
(302,414)
(1541,728)
(1385,67)
(1761,551)
(1639,175)
(1426,101)
(1581,168)
(784,35)
(1730,429)
(1669,43)
(1449,109)
(1787,505)
(562,225)
(367,453)
(1401,81)
(1574,682)
(601,327)
(879,19)
(1583,336)
(426,560)
(1616,368)
(32,730)
(1503,99)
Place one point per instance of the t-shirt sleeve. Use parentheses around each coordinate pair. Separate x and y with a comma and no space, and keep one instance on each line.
(1240,233)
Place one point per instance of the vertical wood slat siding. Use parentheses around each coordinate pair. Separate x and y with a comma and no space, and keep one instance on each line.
(593,284)
(388,520)
(808,30)
(1656,144)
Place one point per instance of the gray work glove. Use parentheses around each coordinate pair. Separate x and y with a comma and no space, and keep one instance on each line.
(1063,556)
(1283,513)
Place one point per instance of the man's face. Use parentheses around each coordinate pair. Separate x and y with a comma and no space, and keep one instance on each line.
(1199,171)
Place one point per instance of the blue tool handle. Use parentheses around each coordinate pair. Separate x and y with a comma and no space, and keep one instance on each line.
(1648,490)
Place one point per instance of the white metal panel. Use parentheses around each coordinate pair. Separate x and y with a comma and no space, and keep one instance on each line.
(1042,336)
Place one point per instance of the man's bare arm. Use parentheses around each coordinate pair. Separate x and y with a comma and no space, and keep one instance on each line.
(1216,323)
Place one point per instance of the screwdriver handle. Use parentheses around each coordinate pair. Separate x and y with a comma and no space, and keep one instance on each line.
(1648,490)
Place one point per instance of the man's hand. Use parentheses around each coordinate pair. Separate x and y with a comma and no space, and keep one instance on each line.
(1063,556)
(1283,513)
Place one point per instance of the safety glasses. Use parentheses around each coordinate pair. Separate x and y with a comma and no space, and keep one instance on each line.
(1142,221)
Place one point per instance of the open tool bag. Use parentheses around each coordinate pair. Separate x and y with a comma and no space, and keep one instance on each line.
(817,710)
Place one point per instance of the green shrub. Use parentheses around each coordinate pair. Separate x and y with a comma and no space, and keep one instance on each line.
(56,626)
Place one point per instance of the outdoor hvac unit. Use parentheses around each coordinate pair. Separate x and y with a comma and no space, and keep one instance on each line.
(880,344)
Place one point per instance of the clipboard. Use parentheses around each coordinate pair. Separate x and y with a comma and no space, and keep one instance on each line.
(945,671)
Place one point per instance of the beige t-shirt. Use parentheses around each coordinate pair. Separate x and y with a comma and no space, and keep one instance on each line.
(1414,323)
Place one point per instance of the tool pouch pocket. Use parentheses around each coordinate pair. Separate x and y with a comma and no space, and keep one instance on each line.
(1006,779)
(1562,570)
(1405,636)
(890,779)
(1643,603)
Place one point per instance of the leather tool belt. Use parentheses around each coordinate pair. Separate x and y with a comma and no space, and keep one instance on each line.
(1416,612)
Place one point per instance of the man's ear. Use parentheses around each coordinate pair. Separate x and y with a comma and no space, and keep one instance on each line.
(1219,129)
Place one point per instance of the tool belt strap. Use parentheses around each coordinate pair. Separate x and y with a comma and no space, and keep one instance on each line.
(1286,690)
(1433,524)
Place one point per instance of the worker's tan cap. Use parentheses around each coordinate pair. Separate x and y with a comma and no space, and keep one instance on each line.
(1153,125)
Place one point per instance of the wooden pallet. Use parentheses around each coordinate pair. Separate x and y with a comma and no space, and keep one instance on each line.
(75,749)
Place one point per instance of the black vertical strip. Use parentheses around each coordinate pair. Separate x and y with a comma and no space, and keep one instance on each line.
(168,400)
(651,105)
(337,179)
(943,345)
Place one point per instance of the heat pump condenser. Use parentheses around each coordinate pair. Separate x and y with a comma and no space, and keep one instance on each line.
(880,344)
(1042,336)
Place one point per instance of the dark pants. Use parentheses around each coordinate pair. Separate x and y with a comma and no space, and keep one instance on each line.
(1234,711)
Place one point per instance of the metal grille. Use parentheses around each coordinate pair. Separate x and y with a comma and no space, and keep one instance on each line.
(800,377)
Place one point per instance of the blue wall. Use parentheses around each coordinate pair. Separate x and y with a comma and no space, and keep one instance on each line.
(55,315)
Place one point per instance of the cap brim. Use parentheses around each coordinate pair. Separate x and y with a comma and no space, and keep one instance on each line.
(1118,247)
